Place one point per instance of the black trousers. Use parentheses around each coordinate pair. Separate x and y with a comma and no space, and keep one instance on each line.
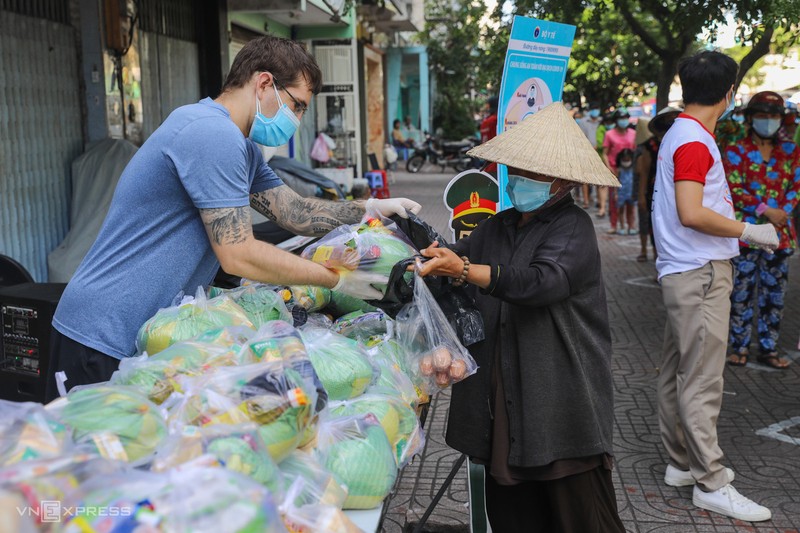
(583,503)
(81,364)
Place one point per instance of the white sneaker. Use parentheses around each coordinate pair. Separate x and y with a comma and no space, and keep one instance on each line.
(683,478)
(729,502)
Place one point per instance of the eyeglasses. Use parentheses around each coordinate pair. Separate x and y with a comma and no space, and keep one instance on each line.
(299,107)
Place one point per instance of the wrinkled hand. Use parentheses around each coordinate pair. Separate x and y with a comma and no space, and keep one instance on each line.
(763,236)
(442,262)
(393,206)
(778,217)
(360,284)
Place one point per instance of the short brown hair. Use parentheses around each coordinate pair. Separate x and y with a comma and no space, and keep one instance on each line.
(288,61)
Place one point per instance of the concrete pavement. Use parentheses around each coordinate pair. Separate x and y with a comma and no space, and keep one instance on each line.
(759,427)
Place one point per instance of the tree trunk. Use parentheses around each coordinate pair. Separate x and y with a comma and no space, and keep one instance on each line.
(759,50)
(666,75)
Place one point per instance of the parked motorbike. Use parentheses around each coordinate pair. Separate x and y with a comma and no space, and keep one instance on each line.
(442,153)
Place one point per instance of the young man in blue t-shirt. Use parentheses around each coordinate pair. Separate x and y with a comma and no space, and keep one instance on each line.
(182,209)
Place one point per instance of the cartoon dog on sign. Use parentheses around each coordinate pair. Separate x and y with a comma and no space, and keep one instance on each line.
(530,96)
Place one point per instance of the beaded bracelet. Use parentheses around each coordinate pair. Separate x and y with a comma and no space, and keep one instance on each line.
(463,278)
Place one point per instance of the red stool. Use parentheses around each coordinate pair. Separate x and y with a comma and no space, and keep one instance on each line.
(378,183)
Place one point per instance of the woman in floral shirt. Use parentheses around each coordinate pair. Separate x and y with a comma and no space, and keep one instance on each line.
(764,177)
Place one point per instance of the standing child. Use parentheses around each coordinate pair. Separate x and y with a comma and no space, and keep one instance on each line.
(626,200)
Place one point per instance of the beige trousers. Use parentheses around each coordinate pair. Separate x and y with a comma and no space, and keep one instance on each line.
(690,384)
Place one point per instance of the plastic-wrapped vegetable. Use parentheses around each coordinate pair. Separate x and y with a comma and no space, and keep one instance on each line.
(341,364)
(364,252)
(438,356)
(279,396)
(233,337)
(390,354)
(274,341)
(119,421)
(356,450)
(319,320)
(363,327)
(397,418)
(190,318)
(341,304)
(157,376)
(236,447)
(29,432)
(261,303)
(313,517)
(393,381)
(322,486)
(196,500)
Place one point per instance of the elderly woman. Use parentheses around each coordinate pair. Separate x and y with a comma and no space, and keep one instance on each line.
(539,412)
(764,176)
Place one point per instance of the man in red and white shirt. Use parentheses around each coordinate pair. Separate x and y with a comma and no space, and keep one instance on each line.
(696,236)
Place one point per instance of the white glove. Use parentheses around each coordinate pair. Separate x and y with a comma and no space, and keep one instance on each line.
(763,236)
(393,206)
(360,285)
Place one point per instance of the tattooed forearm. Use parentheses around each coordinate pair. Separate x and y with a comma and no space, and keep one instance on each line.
(229,225)
(305,216)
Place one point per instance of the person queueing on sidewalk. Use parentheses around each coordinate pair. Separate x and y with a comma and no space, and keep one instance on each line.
(590,123)
(696,236)
(617,139)
(602,192)
(646,171)
(539,413)
(626,197)
(182,208)
(764,177)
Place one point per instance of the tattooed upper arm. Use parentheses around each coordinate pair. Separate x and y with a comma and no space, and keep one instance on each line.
(227,225)
(304,216)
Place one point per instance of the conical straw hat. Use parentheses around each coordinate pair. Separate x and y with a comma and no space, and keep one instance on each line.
(549,142)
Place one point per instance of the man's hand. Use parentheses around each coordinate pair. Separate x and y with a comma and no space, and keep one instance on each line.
(360,285)
(762,236)
(778,217)
(393,206)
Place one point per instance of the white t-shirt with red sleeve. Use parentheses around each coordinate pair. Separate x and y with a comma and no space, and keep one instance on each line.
(689,152)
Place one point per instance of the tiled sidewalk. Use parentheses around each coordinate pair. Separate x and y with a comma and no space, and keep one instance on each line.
(759,427)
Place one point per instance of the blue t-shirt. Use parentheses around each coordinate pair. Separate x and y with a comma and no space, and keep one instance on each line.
(153,243)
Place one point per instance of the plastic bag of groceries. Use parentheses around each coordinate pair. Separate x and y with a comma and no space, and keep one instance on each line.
(28,431)
(393,381)
(309,297)
(321,485)
(157,376)
(358,453)
(196,500)
(438,356)
(391,355)
(279,396)
(236,447)
(341,363)
(274,341)
(119,421)
(365,327)
(342,304)
(32,483)
(313,517)
(397,418)
(188,319)
(363,254)
(260,302)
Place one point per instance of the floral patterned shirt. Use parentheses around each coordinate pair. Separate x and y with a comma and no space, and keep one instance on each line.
(753,181)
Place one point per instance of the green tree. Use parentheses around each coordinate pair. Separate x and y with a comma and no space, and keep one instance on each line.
(452,37)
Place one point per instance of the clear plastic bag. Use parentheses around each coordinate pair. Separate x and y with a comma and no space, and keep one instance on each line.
(341,363)
(390,354)
(157,376)
(397,418)
(235,447)
(363,254)
(313,517)
(119,421)
(274,341)
(196,500)
(358,453)
(438,357)
(260,302)
(365,327)
(393,381)
(279,396)
(28,432)
(320,487)
(309,297)
(187,320)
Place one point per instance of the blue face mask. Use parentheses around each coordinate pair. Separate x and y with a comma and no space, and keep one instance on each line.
(526,194)
(728,110)
(766,127)
(623,122)
(275,131)
(594,113)
(738,118)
